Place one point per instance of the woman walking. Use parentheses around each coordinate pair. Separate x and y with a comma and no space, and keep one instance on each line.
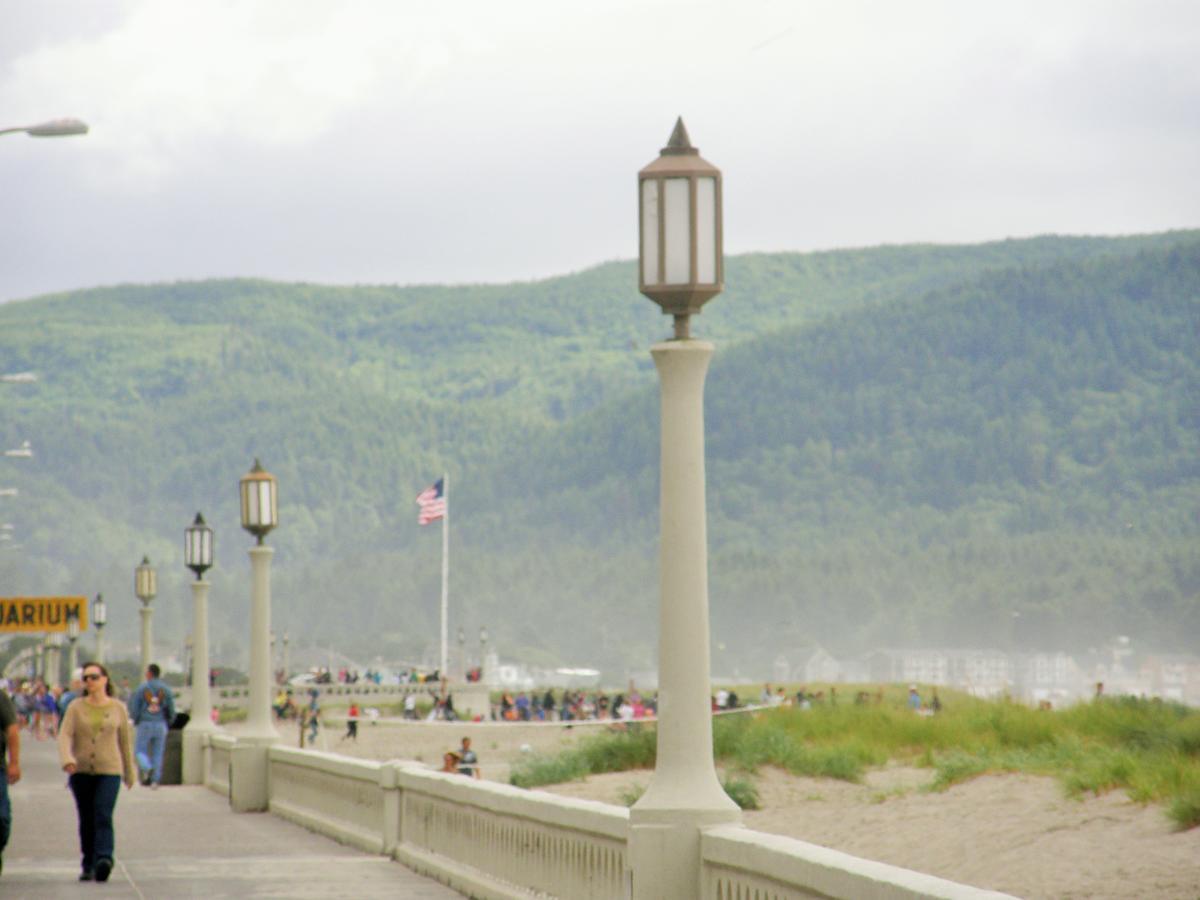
(95,745)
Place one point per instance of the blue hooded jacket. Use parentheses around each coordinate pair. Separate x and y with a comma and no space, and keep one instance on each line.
(152,702)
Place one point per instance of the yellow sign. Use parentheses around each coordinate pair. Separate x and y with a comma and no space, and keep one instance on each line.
(41,613)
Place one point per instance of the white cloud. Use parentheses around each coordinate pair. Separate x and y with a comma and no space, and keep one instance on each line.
(481,140)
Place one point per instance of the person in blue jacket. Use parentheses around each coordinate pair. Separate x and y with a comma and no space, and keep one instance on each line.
(152,709)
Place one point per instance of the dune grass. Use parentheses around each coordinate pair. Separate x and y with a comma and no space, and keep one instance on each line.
(1148,748)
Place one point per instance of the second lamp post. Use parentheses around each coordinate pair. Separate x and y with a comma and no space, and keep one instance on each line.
(248,774)
(260,514)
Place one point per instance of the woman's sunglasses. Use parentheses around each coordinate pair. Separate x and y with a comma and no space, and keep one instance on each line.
(92,676)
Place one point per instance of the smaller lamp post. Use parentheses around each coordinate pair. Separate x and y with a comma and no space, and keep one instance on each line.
(54,658)
(145,585)
(99,619)
(72,643)
(287,658)
(462,653)
(198,556)
(260,515)
(483,641)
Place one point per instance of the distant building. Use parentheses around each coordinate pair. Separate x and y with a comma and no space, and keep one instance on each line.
(822,667)
(983,673)
(1049,677)
(1172,677)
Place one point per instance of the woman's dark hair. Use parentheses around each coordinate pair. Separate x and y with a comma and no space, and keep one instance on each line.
(103,671)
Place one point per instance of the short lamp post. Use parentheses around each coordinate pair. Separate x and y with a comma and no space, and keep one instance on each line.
(483,642)
(287,658)
(260,514)
(462,654)
(198,556)
(72,643)
(99,619)
(681,268)
(54,659)
(145,585)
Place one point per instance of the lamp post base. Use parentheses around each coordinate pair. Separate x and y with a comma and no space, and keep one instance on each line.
(193,750)
(249,768)
(664,850)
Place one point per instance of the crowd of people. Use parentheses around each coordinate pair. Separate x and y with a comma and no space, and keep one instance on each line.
(346,675)
(572,706)
(105,737)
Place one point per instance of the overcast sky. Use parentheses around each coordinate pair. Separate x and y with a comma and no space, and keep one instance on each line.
(364,142)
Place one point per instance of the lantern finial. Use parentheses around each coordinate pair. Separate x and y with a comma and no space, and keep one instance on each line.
(679,144)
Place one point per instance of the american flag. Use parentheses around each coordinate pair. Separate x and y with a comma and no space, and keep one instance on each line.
(432,502)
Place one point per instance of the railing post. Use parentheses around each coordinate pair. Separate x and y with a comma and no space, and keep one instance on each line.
(389,783)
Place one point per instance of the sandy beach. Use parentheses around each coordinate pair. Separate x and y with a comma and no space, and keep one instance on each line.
(1014,833)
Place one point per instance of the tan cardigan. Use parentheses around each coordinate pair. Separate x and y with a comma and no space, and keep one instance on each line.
(97,739)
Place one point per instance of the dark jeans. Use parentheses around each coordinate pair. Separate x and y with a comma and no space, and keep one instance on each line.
(95,797)
(5,810)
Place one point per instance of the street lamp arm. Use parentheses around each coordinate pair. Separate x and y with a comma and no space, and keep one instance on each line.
(53,128)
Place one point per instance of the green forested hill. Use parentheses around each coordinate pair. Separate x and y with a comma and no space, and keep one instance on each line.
(906,445)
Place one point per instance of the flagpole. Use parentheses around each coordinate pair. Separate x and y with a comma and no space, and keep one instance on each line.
(444,670)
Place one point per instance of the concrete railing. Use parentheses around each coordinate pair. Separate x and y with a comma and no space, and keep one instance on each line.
(237,695)
(737,862)
(218,758)
(491,840)
(333,795)
(494,840)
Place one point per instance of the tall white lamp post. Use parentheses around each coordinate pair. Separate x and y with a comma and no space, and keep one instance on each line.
(198,556)
(99,619)
(681,267)
(145,585)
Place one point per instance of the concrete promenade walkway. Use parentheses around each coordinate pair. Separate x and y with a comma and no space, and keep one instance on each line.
(183,842)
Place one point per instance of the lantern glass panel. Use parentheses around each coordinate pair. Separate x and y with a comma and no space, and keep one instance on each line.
(100,612)
(706,230)
(144,582)
(198,546)
(650,231)
(258,503)
(678,233)
(266,502)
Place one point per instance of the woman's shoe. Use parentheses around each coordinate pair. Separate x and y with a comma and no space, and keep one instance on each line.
(87,875)
(103,868)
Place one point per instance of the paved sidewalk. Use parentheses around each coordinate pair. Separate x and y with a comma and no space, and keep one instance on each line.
(183,842)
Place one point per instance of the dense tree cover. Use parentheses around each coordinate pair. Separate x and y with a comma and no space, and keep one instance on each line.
(994,443)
